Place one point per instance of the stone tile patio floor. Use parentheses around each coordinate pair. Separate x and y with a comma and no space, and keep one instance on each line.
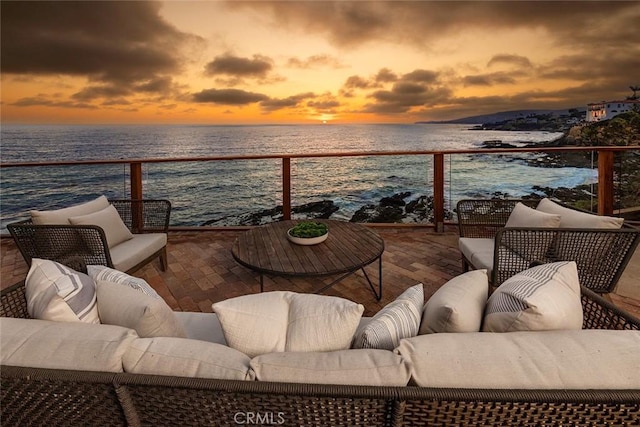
(202,271)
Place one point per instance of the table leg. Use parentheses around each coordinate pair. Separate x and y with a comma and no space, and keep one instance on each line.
(373,289)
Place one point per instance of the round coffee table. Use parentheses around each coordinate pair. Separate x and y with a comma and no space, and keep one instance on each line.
(349,248)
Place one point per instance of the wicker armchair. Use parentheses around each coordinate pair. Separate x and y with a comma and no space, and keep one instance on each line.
(74,245)
(601,254)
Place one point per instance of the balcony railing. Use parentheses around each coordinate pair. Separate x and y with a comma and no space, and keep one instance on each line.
(436,175)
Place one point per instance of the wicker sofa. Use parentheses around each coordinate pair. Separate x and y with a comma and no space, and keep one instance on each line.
(32,395)
(50,234)
(488,241)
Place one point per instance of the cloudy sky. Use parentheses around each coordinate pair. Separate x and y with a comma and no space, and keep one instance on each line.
(240,62)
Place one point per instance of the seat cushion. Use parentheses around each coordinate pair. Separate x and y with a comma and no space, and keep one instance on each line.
(287,321)
(72,345)
(186,358)
(123,306)
(350,367)
(458,305)
(582,359)
(478,251)
(132,252)
(570,218)
(541,298)
(56,292)
(397,320)
(61,216)
(109,220)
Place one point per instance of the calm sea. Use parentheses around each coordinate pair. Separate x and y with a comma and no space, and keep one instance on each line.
(202,191)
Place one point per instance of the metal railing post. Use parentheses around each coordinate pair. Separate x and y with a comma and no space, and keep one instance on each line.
(438,192)
(286,188)
(605,182)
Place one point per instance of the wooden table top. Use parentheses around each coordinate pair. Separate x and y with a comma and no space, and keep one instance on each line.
(348,247)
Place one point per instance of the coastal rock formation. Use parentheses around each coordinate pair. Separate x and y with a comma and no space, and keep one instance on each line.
(314,210)
(395,209)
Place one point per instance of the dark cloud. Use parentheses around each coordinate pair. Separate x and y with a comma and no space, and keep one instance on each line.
(229,97)
(259,66)
(44,101)
(315,61)
(112,43)
(514,60)
(288,102)
(385,75)
(488,79)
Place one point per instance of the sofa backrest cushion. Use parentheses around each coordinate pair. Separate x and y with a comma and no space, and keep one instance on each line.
(186,358)
(287,321)
(109,220)
(123,306)
(571,218)
(458,305)
(351,367)
(70,345)
(61,216)
(56,292)
(397,320)
(544,297)
(584,359)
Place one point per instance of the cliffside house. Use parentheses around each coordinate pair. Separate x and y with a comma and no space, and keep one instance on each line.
(606,110)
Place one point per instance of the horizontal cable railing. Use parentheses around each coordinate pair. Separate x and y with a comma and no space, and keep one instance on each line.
(136,184)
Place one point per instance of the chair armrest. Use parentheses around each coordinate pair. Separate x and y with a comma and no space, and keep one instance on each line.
(484,217)
(71,245)
(144,216)
(600,254)
(599,313)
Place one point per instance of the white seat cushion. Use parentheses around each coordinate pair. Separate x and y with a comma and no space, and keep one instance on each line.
(584,359)
(350,367)
(72,345)
(61,216)
(479,252)
(186,358)
(130,253)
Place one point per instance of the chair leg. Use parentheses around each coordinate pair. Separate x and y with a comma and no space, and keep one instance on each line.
(163,259)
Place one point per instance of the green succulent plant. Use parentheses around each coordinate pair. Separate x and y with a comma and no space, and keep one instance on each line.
(309,229)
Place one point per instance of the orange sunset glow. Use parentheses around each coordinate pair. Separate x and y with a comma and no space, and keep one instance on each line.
(241,62)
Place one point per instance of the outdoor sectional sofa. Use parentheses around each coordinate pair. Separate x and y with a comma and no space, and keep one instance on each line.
(77,373)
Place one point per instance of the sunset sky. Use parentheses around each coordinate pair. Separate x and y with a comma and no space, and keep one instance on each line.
(238,62)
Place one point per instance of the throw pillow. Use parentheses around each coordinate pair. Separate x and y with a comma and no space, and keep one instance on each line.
(61,216)
(397,320)
(545,297)
(458,306)
(524,216)
(123,306)
(100,272)
(571,218)
(56,292)
(286,321)
(109,220)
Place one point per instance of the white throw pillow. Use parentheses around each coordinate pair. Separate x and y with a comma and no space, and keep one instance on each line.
(100,272)
(545,297)
(150,317)
(56,292)
(524,216)
(571,218)
(61,216)
(397,320)
(109,220)
(287,321)
(458,306)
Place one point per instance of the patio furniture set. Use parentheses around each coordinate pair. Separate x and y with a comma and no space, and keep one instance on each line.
(86,344)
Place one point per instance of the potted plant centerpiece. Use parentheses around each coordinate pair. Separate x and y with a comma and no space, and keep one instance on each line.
(308,233)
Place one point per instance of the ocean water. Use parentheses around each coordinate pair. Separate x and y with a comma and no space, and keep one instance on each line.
(202,191)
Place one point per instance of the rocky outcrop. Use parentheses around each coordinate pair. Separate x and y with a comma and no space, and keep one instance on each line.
(395,209)
(314,210)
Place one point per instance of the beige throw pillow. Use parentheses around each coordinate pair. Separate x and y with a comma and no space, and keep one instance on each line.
(546,297)
(286,321)
(61,216)
(56,292)
(100,272)
(458,306)
(524,216)
(124,306)
(109,220)
(570,218)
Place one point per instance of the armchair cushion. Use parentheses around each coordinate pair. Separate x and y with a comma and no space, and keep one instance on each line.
(56,292)
(457,306)
(109,220)
(61,216)
(397,320)
(123,306)
(545,297)
(132,252)
(478,251)
(570,218)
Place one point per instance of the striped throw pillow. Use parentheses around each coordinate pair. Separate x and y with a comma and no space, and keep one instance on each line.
(106,274)
(397,320)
